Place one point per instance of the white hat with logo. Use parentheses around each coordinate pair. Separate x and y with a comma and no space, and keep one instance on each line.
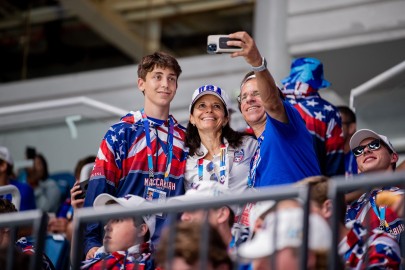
(283,229)
(129,201)
(211,90)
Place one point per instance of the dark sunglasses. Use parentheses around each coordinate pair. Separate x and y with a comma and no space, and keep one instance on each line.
(374,145)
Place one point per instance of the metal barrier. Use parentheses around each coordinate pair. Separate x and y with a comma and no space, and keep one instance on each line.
(85,215)
(337,186)
(36,218)
(340,185)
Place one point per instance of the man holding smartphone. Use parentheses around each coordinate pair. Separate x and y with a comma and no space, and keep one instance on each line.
(285,153)
(144,153)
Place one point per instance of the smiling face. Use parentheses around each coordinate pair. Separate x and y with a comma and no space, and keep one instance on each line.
(208,114)
(251,104)
(377,160)
(159,87)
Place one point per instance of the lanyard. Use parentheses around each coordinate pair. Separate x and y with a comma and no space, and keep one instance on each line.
(222,167)
(169,153)
(254,163)
(380,213)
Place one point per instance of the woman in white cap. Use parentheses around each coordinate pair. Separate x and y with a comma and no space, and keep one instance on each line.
(216,151)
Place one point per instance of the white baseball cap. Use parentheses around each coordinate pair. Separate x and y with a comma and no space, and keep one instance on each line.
(362,134)
(257,210)
(289,234)
(129,201)
(5,155)
(206,190)
(210,89)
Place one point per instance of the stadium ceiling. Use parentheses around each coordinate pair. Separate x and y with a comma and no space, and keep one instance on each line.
(48,37)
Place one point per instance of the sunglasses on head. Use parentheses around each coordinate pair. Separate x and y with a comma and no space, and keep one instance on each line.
(374,145)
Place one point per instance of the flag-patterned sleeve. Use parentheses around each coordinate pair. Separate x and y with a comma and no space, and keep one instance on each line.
(334,145)
(104,178)
(384,252)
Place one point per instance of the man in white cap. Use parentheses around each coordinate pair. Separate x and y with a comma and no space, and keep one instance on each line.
(277,243)
(6,172)
(126,241)
(375,153)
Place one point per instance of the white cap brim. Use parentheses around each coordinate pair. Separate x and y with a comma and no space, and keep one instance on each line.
(363,134)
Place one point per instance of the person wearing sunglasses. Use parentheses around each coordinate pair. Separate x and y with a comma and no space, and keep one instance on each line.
(381,206)
(373,151)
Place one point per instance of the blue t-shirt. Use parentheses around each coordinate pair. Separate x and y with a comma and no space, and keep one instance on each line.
(287,152)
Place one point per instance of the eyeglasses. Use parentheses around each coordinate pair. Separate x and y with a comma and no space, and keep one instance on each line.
(374,145)
(244,97)
(211,169)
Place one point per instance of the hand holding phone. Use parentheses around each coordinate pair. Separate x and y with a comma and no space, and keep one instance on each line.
(84,180)
(216,44)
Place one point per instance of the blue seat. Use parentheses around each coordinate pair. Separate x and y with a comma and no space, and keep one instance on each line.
(57,248)
(65,181)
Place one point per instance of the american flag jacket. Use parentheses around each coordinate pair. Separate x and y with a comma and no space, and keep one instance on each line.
(373,216)
(121,166)
(26,246)
(369,250)
(138,257)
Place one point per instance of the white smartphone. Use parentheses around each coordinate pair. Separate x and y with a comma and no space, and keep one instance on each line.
(217,44)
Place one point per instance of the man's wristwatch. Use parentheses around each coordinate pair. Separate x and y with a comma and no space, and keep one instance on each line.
(262,67)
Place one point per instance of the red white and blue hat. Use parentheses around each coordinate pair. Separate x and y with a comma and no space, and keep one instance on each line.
(306,70)
(210,89)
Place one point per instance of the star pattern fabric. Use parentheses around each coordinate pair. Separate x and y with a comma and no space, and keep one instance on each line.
(121,166)
(26,246)
(325,125)
(362,211)
(138,257)
(375,250)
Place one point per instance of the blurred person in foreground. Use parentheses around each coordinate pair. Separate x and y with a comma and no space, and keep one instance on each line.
(301,89)
(285,152)
(277,244)
(24,245)
(358,248)
(221,218)
(186,248)
(127,241)
(382,206)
